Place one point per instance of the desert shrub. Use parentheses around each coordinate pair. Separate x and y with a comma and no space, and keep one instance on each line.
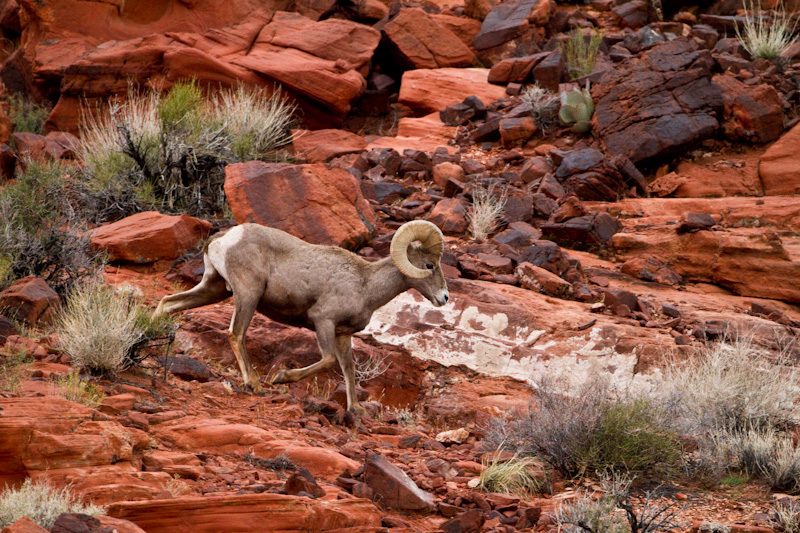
(41,503)
(26,114)
(734,385)
(104,331)
(785,516)
(579,54)
(590,515)
(544,106)
(510,476)
(167,150)
(763,36)
(767,455)
(82,391)
(590,429)
(39,232)
(487,209)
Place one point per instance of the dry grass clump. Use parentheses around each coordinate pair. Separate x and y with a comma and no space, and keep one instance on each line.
(510,476)
(486,212)
(544,106)
(579,54)
(764,36)
(41,503)
(12,371)
(104,331)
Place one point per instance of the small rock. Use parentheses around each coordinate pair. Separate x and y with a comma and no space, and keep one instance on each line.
(691,222)
(187,368)
(467,522)
(395,488)
(303,481)
(538,279)
(454,436)
(30,300)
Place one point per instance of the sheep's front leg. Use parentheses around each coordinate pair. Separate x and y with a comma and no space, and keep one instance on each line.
(243,312)
(344,353)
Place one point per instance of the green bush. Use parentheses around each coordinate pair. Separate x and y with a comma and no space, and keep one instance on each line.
(41,503)
(167,151)
(630,437)
(579,54)
(39,231)
(75,389)
(27,115)
(590,429)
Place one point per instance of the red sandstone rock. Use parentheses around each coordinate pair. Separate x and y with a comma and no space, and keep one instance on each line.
(248,512)
(150,236)
(120,525)
(31,300)
(323,145)
(416,40)
(650,268)
(24,525)
(540,280)
(779,165)
(429,90)
(312,202)
(462,27)
(450,215)
(395,488)
(752,113)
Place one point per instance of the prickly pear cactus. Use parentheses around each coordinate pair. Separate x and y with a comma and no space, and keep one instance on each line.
(577,108)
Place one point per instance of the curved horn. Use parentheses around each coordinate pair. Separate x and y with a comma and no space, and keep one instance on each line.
(417,230)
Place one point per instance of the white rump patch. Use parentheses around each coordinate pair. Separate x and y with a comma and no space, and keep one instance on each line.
(218,251)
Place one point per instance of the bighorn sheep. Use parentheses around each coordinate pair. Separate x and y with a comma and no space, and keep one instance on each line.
(323,288)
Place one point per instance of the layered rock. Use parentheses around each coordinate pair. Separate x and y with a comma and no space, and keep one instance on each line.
(779,165)
(248,512)
(317,204)
(323,145)
(149,237)
(752,113)
(320,65)
(657,103)
(30,300)
(55,439)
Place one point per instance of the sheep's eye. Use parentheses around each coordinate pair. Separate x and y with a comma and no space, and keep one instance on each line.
(429,266)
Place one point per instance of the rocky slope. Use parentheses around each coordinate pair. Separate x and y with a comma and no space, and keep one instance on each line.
(674,222)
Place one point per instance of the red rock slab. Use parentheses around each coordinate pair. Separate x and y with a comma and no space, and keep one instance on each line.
(24,525)
(416,40)
(779,211)
(246,513)
(429,90)
(104,484)
(779,168)
(748,261)
(323,145)
(31,300)
(424,133)
(312,202)
(120,525)
(150,236)
(462,27)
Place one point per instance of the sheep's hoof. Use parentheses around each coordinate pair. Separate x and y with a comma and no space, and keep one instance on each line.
(254,386)
(357,409)
(280,378)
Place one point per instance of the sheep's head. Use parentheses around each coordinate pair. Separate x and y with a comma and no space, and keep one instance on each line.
(419,263)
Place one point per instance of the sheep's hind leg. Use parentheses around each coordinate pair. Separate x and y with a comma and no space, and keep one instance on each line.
(344,353)
(326,341)
(243,312)
(210,290)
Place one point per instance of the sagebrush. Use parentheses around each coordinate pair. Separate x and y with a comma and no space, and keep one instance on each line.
(580,53)
(167,150)
(41,503)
